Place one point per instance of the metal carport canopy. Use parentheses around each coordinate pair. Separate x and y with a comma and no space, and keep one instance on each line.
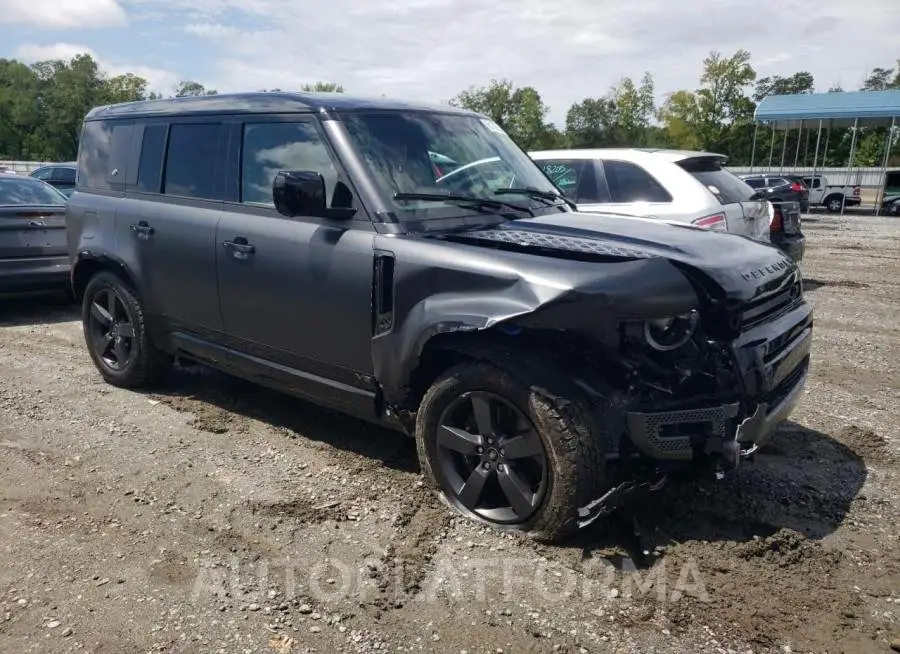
(839,109)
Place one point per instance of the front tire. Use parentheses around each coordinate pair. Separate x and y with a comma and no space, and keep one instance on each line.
(505,454)
(115,331)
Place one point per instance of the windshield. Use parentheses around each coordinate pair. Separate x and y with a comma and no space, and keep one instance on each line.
(432,153)
(28,191)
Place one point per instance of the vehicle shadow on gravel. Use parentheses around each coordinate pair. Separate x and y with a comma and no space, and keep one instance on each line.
(222,403)
(44,309)
(803,480)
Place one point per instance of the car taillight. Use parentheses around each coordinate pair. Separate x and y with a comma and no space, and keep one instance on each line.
(715,221)
(856,191)
(797,188)
(777,222)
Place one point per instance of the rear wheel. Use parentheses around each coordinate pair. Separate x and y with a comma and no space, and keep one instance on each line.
(833,203)
(115,332)
(504,454)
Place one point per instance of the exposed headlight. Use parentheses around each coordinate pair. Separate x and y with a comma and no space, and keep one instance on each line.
(665,334)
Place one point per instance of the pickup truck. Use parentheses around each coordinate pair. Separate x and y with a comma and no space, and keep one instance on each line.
(823,194)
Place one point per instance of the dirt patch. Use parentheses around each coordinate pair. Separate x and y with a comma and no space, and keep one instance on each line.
(420,528)
(207,417)
(810,284)
(870,446)
(301,511)
(772,591)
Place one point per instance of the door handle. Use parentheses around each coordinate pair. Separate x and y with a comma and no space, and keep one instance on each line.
(239,247)
(142,229)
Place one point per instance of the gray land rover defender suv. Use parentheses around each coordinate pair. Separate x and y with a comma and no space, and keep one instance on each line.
(548,363)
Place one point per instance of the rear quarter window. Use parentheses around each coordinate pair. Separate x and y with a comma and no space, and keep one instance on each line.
(727,187)
(103,154)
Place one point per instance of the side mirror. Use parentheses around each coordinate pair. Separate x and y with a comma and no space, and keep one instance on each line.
(302,193)
(758,195)
(299,193)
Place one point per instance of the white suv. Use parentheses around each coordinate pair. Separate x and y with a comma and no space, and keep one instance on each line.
(669,185)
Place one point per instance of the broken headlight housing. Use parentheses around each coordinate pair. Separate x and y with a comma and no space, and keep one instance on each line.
(670,333)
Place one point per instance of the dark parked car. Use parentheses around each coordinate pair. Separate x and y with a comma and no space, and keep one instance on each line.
(780,188)
(549,364)
(33,254)
(61,175)
(785,229)
(890,206)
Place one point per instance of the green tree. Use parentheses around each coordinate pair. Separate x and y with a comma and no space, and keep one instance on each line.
(19,108)
(797,83)
(322,87)
(67,92)
(680,117)
(519,111)
(592,123)
(187,88)
(882,79)
(126,88)
(635,108)
(724,106)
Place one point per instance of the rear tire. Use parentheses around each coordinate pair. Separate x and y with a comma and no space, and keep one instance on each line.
(833,203)
(541,446)
(114,322)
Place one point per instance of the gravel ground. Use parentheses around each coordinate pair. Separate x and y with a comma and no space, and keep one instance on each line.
(213,516)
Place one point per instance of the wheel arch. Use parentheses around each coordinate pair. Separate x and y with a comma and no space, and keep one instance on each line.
(88,264)
(496,346)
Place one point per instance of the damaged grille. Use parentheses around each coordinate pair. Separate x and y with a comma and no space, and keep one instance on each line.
(555,242)
(772,304)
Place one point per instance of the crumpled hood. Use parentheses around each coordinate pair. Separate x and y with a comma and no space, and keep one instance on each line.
(740,265)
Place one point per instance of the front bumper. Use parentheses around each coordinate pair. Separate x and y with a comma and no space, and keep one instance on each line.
(772,361)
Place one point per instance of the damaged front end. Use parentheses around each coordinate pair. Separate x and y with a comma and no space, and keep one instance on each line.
(715,398)
(690,353)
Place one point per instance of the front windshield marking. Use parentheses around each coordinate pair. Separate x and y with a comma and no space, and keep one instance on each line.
(433,153)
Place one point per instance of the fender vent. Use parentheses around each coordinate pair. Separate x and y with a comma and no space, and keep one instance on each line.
(383,309)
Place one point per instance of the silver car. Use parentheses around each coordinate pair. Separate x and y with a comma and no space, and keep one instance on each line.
(670,185)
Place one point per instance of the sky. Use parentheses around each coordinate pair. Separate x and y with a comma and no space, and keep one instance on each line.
(430,50)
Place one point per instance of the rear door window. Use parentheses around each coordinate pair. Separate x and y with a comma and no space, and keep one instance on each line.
(64,175)
(153,148)
(191,161)
(726,186)
(629,182)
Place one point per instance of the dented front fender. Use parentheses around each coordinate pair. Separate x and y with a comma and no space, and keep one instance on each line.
(439,288)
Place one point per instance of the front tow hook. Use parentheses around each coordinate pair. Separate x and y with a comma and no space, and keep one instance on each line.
(742,446)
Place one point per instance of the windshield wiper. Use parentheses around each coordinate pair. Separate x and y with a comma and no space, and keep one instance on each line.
(548,196)
(481,204)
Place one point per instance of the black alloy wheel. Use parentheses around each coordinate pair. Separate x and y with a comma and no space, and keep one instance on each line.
(111,328)
(490,458)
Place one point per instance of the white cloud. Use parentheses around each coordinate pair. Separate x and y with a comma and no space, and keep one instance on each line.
(211,30)
(432,49)
(63,14)
(159,80)
(568,49)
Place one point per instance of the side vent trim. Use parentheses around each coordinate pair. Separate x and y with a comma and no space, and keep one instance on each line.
(383,309)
